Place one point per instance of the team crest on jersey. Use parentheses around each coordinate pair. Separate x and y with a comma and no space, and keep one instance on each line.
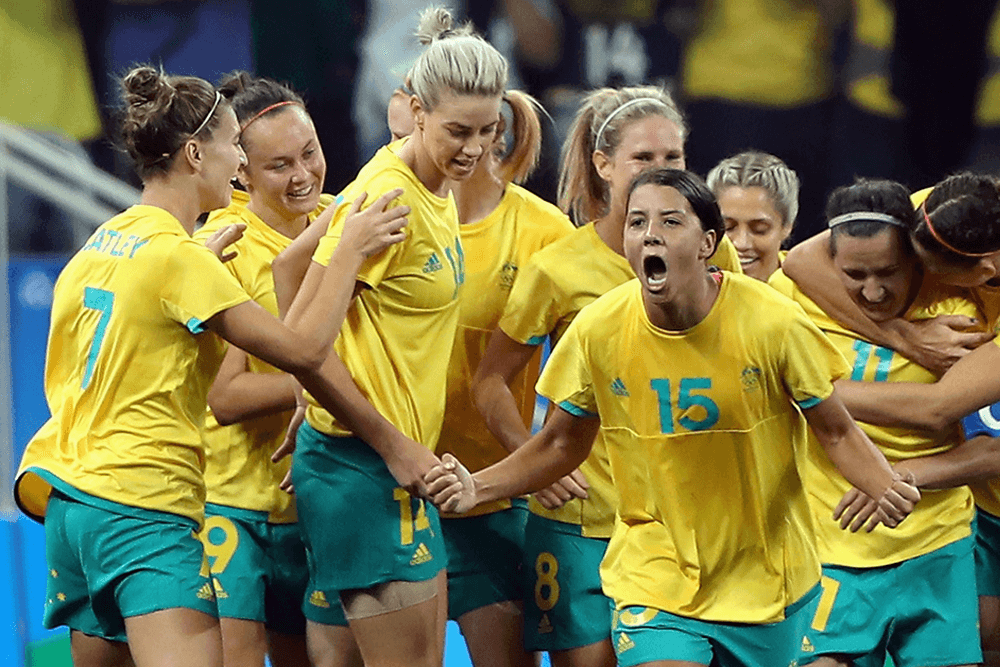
(433,263)
(508,272)
(750,377)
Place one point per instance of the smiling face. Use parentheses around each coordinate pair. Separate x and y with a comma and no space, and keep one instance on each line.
(665,244)
(285,164)
(755,227)
(651,141)
(878,272)
(457,132)
(222,157)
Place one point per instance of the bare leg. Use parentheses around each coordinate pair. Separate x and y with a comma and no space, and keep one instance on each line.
(290,650)
(409,637)
(89,651)
(331,646)
(243,642)
(598,654)
(175,637)
(989,629)
(495,636)
(828,661)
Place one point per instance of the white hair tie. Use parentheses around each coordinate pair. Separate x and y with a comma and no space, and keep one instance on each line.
(604,125)
(867,215)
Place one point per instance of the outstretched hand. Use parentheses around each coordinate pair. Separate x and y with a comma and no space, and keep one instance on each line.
(225,237)
(450,486)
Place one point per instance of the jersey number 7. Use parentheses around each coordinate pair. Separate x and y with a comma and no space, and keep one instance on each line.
(102,300)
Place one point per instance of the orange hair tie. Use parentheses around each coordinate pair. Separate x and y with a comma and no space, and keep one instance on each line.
(937,237)
(264,111)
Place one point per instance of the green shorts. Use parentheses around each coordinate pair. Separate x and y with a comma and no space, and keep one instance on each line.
(987,531)
(258,568)
(922,611)
(105,566)
(359,528)
(644,635)
(564,605)
(484,558)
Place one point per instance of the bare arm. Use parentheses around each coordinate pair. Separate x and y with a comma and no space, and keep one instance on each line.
(237,394)
(859,461)
(974,460)
(972,383)
(560,447)
(289,267)
(503,359)
(935,344)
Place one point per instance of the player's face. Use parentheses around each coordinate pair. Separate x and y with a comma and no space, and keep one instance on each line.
(285,165)
(458,132)
(664,242)
(987,269)
(652,141)
(877,272)
(755,227)
(222,158)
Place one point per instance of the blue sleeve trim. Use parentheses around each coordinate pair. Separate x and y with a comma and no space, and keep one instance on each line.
(195,326)
(576,411)
(809,403)
(535,340)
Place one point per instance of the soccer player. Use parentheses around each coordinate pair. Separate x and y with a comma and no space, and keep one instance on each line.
(251,535)
(117,471)
(702,384)
(759,198)
(373,546)
(502,226)
(922,574)
(617,133)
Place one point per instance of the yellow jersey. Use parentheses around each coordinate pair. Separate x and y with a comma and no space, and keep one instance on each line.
(125,375)
(553,287)
(759,52)
(238,468)
(703,435)
(496,249)
(397,338)
(942,516)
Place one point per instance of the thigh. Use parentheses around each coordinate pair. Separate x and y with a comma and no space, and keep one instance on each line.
(564,605)
(331,646)
(413,635)
(494,635)
(174,637)
(484,559)
(90,651)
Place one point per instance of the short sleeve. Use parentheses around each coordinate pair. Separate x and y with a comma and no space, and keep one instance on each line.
(725,256)
(567,379)
(375,268)
(197,286)
(531,312)
(809,362)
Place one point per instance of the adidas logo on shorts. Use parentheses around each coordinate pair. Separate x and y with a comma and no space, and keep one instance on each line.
(318,599)
(220,592)
(545,625)
(624,643)
(807,646)
(618,388)
(421,555)
(206,592)
(433,264)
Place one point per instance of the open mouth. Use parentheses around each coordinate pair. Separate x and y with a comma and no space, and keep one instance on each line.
(302,193)
(746,261)
(654,270)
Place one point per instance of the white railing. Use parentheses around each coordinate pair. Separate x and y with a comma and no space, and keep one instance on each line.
(88,195)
